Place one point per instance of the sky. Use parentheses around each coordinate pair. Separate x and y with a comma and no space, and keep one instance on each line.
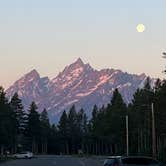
(47,35)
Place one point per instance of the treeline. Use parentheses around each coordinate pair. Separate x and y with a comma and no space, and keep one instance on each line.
(20,130)
(104,133)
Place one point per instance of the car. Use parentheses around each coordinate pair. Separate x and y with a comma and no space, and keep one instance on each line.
(130,161)
(23,155)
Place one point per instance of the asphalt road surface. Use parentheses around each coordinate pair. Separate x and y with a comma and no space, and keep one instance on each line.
(54,161)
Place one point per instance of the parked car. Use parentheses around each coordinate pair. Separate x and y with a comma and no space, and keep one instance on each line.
(130,161)
(23,155)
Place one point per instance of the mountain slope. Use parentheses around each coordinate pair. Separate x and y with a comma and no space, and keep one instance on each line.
(77,84)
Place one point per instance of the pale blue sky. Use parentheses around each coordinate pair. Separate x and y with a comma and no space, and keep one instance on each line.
(49,34)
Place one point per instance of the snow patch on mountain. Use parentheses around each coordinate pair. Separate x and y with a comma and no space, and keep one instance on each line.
(78,84)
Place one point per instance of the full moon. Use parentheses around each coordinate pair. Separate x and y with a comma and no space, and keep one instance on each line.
(140,27)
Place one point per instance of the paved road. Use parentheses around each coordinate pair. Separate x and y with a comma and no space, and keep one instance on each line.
(54,161)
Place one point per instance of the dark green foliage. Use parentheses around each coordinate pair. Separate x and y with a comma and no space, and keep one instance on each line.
(112,120)
(140,120)
(17,108)
(63,125)
(93,121)
(33,127)
(33,124)
(74,130)
(117,122)
(103,134)
(7,123)
(44,120)
(160,117)
(64,132)
(44,131)
(20,120)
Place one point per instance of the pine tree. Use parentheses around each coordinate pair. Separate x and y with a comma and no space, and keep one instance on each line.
(80,124)
(84,132)
(116,123)
(81,129)
(83,122)
(18,109)
(64,132)
(63,125)
(160,118)
(7,123)
(45,128)
(54,141)
(140,120)
(94,119)
(20,116)
(73,129)
(33,128)
(72,121)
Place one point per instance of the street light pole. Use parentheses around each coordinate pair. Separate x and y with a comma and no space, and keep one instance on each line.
(127,135)
(153,133)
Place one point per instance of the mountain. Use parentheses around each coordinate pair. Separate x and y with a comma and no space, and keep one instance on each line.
(77,84)
(30,88)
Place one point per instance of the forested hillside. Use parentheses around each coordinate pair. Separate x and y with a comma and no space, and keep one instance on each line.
(103,134)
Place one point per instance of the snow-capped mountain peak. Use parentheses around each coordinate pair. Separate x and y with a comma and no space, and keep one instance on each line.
(77,84)
(33,74)
(79,62)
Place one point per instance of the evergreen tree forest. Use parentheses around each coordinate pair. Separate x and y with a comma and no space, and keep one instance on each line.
(102,134)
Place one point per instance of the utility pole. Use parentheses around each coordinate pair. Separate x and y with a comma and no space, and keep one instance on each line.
(127,135)
(153,133)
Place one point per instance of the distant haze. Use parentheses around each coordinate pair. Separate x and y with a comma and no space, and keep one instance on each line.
(48,35)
